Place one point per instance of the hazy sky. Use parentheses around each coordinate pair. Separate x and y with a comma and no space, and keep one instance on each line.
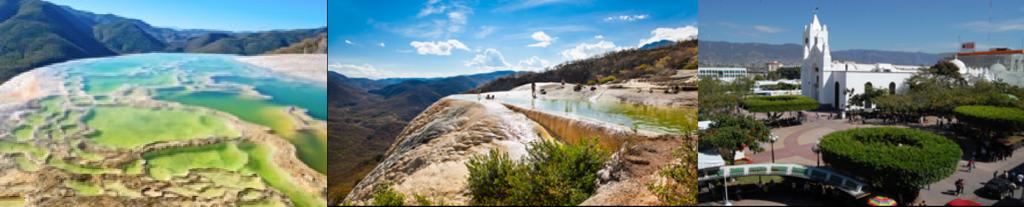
(431,38)
(905,25)
(233,15)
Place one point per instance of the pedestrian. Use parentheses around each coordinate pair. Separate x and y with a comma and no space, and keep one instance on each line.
(959,186)
(970,165)
(1020,178)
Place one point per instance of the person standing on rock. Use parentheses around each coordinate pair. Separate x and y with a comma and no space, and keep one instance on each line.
(533,89)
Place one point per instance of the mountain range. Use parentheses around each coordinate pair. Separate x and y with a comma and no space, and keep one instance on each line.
(658,59)
(367,115)
(755,55)
(34,33)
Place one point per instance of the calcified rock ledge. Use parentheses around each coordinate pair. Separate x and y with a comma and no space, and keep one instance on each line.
(48,185)
(429,157)
(306,66)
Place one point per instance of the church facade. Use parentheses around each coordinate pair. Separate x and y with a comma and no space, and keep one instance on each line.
(832,83)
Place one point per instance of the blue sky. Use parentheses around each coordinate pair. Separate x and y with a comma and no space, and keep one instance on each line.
(232,15)
(433,38)
(906,25)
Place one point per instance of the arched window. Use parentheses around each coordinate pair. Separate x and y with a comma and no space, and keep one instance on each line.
(892,88)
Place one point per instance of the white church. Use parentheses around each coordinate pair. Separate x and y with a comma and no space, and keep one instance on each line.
(832,83)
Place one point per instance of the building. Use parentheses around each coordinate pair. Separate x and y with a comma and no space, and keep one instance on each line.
(999,64)
(832,83)
(773,65)
(727,74)
(763,88)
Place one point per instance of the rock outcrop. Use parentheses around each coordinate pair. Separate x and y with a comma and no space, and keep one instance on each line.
(429,157)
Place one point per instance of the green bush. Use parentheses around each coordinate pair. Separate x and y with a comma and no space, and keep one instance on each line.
(779,103)
(553,175)
(606,79)
(385,196)
(895,160)
(991,117)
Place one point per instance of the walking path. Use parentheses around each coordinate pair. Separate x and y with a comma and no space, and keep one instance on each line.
(941,192)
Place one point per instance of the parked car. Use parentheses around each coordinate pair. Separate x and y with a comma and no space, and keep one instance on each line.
(997,188)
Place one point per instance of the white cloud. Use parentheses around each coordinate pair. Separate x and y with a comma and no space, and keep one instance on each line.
(674,34)
(767,29)
(349,42)
(533,63)
(1003,26)
(431,7)
(484,31)
(359,71)
(525,5)
(382,44)
(438,48)
(585,50)
(626,18)
(543,40)
(599,37)
(489,59)
(456,20)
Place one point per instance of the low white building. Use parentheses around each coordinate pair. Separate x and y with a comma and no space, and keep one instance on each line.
(832,83)
(727,74)
(760,90)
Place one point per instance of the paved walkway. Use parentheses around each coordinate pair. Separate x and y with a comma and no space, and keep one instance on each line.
(941,192)
(795,142)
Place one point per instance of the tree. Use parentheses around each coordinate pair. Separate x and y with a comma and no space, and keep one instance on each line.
(731,133)
(719,97)
(786,73)
(774,106)
(993,120)
(893,160)
(867,98)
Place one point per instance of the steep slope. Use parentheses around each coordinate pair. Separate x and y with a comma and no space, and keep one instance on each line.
(316,44)
(35,33)
(363,123)
(661,61)
(248,43)
(127,37)
(755,55)
(429,157)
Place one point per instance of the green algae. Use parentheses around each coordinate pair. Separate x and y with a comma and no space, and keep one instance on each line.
(84,188)
(233,180)
(176,162)
(25,164)
(246,158)
(17,147)
(136,167)
(130,127)
(311,145)
(675,120)
(119,189)
(23,132)
(12,202)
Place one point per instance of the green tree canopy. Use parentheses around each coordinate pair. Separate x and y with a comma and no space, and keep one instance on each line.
(731,133)
(893,160)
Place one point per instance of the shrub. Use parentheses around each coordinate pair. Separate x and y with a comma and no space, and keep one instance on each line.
(779,103)
(385,196)
(606,79)
(553,175)
(682,190)
(991,117)
(895,160)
